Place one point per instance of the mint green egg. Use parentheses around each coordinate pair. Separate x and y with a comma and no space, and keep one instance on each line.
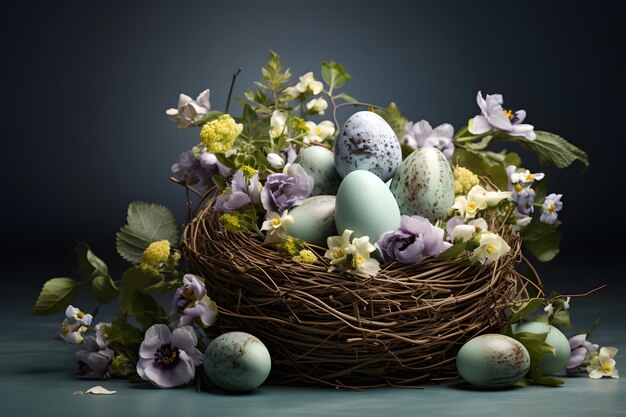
(237,362)
(423,185)
(493,361)
(314,220)
(366,206)
(549,364)
(319,163)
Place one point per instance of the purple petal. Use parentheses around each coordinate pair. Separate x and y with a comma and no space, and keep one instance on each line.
(577,341)
(480,125)
(482,104)
(184,338)
(577,357)
(520,116)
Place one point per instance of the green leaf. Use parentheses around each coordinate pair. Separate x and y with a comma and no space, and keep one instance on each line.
(212,115)
(345,97)
(55,296)
(104,289)
(561,319)
(535,344)
(452,252)
(524,309)
(551,149)
(164,286)
(88,262)
(482,144)
(512,158)
(395,119)
(147,223)
(123,338)
(135,279)
(542,240)
(146,310)
(334,74)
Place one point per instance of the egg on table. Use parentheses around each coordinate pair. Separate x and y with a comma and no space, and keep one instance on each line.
(319,163)
(314,219)
(493,361)
(367,142)
(548,364)
(424,184)
(365,205)
(237,362)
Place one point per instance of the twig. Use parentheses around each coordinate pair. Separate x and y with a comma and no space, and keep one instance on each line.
(230,91)
(587,293)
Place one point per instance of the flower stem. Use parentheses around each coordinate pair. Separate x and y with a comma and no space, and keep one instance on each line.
(230,91)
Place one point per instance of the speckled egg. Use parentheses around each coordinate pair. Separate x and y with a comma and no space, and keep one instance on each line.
(237,362)
(548,364)
(314,219)
(367,142)
(493,361)
(319,163)
(366,206)
(424,184)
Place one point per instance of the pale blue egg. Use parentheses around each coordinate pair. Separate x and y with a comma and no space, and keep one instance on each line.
(493,361)
(314,220)
(237,362)
(366,206)
(367,142)
(549,363)
(319,163)
(424,185)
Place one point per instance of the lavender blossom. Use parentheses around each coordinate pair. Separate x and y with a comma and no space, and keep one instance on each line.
(524,200)
(94,360)
(414,240)
(199,165)
(283,191)
(239,194)
(581,349)
(169,358)
(421,134)
(190,111)
(190,302)
(494,117)
(550,207)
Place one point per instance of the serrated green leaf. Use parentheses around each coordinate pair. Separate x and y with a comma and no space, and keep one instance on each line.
(123,338)
(103,288)
(524,309)
(551,149)
(334,75)
(542,240)
(88,262)
(135,279)
(147,223)
(55,296)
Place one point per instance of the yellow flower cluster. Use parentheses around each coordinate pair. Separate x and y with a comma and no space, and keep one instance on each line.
(299,125)
(248,171)
(464,180)
(219,134)
(231,222)
(289,247)
(306,257)
(156,254)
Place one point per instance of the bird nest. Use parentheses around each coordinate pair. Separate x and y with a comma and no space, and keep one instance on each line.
(402,327)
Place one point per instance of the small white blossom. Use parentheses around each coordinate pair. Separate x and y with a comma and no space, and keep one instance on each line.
(353,256)
(309,84)
(75,315)
(523,179)
(603,364)
(464,232)
(339,247)
(275,160)
(278,123)
(491,248)
(290,93)
(276,226)
(319,132)
(549,309)
(317,106)
(190,111)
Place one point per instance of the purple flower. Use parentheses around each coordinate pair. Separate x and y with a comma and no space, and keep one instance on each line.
(581,348)
(524,200)
(550,207)
(421,134)
(169,359)
(283,191)
(190,302)
(94,360)
(494,117)
(190,111)
(199,164)
(239,194)
(415,239)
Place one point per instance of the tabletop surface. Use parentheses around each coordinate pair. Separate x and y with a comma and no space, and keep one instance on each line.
(37,377)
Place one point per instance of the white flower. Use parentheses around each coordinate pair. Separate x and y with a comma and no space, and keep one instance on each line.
(190,111)
(549,309)
(339,247)
(494,197)
(75,315)
(521,221)
(290,93)
(603,364)
(276,226)
(71,332)
(319,132)
(477,199)
(362,262)
(566,303)
(465,232)
(308,83)
(275,160)
(278,123)
(491,247)
(521,180)
(317,106)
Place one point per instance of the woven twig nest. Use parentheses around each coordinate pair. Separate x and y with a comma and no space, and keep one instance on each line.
(402,327)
